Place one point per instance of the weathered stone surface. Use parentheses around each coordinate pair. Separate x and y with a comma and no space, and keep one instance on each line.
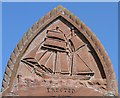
(4,84)
(13,57)
(25,38)
(8,71)
(20,45)
(61,58)
(6,77)
(10,64)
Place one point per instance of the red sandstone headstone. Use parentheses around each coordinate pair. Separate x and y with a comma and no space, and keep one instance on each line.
(59,56)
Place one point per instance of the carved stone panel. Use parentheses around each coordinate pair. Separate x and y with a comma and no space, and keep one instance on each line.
(59,61)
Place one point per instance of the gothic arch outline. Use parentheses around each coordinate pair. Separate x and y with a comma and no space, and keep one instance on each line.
(60,11)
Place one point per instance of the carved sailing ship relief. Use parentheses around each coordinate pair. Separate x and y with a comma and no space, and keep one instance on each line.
(58,54)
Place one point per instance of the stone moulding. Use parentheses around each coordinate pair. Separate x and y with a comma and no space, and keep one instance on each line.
(59,11)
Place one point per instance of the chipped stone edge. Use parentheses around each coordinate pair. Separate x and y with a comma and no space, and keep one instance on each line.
(102,54)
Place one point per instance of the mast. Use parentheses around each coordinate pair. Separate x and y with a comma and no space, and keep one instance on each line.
(54,52)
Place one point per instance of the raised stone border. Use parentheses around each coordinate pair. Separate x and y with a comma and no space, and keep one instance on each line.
(13,62)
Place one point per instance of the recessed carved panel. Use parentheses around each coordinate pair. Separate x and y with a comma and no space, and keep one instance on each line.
(61,58)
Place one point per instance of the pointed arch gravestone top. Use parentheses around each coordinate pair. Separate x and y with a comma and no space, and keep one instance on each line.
(59,56)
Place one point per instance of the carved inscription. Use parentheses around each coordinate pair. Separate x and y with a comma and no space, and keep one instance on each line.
(59,59)
(60,90)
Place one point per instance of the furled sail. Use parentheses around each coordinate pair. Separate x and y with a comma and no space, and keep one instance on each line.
(54,56)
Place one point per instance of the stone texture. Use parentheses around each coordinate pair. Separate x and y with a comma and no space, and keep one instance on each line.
(63,58)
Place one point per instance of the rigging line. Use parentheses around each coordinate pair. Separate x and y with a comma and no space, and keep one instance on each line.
(48,58)
(69,48)
(44,67)
(35,67)
(68,35)
(80,47)
(65,37)
(27,67)
(48,69)
(38,72)
(35,47)
(72,46)
(28,64)
(41,43)
(60,30)
(43,55)
(84,61)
